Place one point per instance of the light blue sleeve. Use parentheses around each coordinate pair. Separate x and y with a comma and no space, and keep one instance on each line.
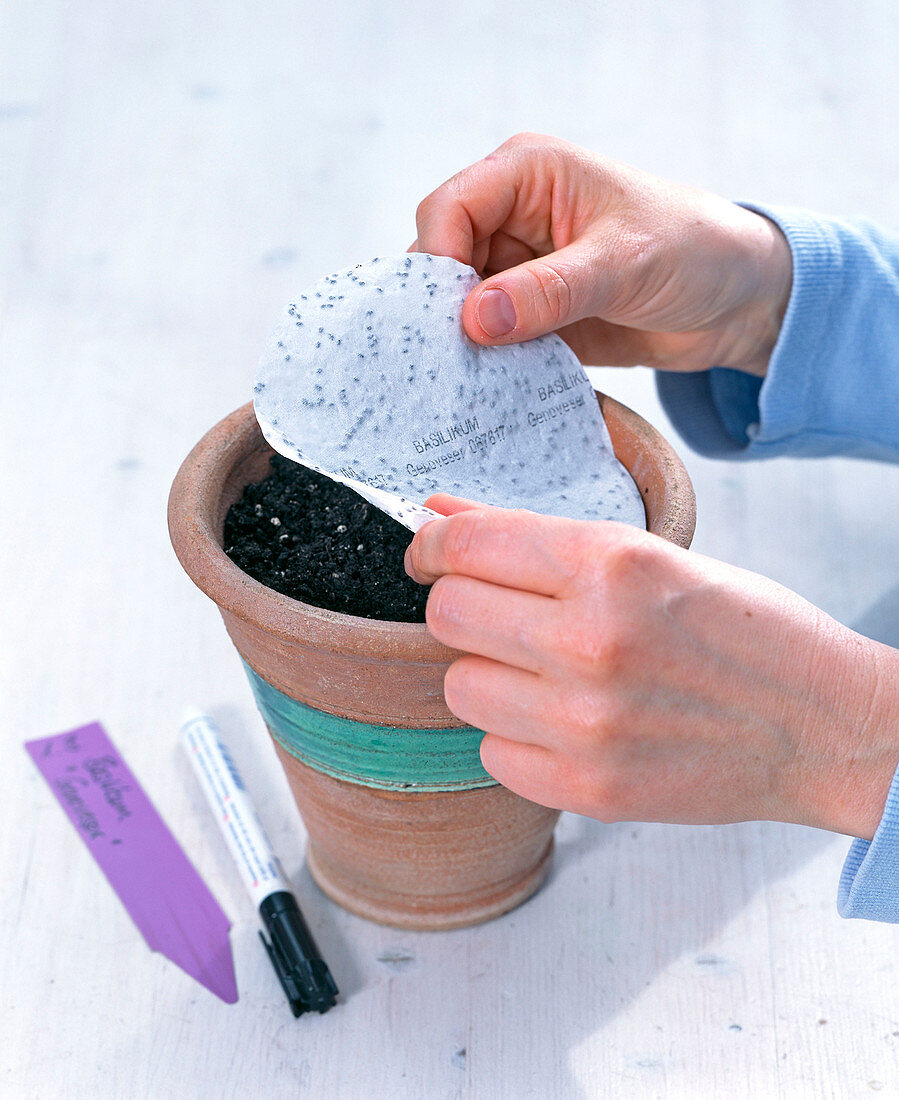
(869,884)
(832,388)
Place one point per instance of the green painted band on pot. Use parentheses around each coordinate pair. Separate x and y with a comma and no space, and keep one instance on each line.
(393,758)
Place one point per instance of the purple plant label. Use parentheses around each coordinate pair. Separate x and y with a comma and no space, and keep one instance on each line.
(166,898)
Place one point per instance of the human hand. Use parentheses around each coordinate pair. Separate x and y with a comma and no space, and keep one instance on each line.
(629,268)
(623,678)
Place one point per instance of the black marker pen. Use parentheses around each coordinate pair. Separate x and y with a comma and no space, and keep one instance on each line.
(297,961)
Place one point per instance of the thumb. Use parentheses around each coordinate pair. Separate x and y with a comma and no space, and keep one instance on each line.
(448,505)
(536,297)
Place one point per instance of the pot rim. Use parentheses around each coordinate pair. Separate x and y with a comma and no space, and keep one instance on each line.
(193,508)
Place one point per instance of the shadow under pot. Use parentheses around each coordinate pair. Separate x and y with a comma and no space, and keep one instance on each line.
(404,825)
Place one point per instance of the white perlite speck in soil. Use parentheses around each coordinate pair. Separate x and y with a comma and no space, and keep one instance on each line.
(370,378)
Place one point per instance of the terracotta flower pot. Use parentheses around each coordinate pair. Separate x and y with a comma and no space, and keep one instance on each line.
(405,827)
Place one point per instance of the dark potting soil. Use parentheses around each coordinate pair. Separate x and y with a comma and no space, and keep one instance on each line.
(317,541)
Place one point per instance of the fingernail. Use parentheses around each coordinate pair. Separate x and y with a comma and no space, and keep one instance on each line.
(409,567)
(496,314)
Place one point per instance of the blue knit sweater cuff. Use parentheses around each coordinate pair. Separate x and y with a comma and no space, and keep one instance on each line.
(869,883)
(835,352)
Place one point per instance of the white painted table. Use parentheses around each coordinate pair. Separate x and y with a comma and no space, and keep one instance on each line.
(169,175)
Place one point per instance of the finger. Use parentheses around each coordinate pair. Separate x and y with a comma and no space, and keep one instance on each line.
(510,702)
(448,505)
(516,549)
(480,254)
(494,254)
(513,185)
(601,343)
(532,771)
(506,251)
(468,208)
(542,295)
(517,628)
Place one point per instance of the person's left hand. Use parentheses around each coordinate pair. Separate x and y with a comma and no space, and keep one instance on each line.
(624,678)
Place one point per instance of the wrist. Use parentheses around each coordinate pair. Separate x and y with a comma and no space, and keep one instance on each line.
(769,264)
(856,746)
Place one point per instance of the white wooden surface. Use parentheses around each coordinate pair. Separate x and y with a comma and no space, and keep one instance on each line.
(169,174)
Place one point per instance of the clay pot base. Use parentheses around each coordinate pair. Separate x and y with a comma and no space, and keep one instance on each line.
(424,861)
(454,911)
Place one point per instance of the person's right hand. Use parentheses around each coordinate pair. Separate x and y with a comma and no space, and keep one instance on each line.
(630,269)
